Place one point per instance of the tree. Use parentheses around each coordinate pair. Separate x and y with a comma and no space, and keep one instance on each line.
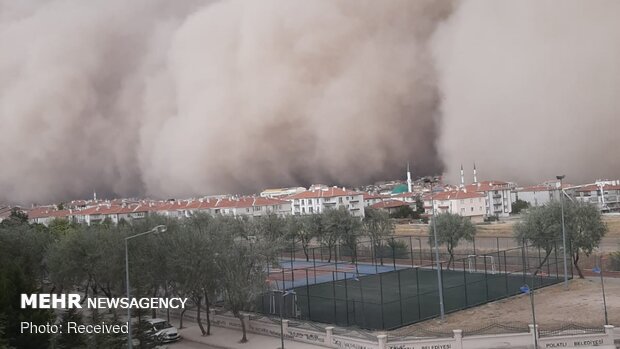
(542,227)
(451,229)
(70,340)
(299,231)
(16,218)
(22,271)
(403,212)
(377,225)
(586,230)
(242,261)
(341,226)
(519,205)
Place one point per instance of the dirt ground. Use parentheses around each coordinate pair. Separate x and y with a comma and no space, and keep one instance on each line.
(503,228)
(581,304)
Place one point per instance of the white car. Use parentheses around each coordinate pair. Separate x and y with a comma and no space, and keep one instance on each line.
(161,330)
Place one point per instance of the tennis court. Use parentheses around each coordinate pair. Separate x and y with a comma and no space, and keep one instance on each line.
(391,293)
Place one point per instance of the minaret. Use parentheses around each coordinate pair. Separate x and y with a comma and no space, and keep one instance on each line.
(462,177)
(94,196)
(408,179)
(475,177)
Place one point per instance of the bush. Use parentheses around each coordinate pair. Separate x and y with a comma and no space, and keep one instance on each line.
(401,249)
(614,261)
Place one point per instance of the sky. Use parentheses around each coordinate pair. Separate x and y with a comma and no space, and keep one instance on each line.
(175,99)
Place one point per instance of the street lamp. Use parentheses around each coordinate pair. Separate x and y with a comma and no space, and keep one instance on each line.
(158,229)
(526,289)
(283,294)
(563,231)
(599,270)
(437,264)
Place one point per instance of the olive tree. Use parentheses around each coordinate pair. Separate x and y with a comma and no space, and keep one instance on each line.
(542,227)
(377,225)
(451,229)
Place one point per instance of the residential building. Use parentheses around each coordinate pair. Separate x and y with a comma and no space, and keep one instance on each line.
(320,198)
(462,202)
(281,192)
(390,205)
(605,194)
(538,195)
(498,198)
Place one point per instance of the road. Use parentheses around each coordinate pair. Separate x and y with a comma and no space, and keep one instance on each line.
(185,344)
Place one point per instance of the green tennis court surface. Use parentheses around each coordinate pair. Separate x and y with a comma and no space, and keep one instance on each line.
(393,299)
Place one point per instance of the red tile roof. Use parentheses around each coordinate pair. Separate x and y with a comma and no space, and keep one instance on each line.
(323,193)
(389,204)
(488,186)
(454,195)
(594,187)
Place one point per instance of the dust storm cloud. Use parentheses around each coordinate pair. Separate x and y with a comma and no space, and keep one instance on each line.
(168,99)
(531,90)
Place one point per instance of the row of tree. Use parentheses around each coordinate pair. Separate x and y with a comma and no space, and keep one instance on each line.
(204,258)
(218,259)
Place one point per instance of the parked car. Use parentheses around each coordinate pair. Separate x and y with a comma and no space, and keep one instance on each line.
(160,330)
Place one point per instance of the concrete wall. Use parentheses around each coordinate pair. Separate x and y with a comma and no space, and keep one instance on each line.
(328,339)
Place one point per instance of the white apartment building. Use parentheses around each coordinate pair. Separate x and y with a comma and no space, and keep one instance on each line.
(462,202)
(498,196)
(320,198)
(538,195)
(281,192)
(251,206)
(604,194)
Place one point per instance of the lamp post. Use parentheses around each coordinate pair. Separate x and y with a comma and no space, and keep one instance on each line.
(563,231)
(599,270)
(526,289)
(282,295)
(156,230)
(437,264)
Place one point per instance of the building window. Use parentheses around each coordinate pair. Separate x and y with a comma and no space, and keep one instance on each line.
(472,209)
(340,199)
(309,201)
(310,210)
(303,210)
(462,201)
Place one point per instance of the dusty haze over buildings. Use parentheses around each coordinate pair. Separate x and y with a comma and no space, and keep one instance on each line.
(182,98)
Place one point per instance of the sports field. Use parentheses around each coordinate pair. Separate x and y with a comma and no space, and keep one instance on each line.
(400,287)
(392,299)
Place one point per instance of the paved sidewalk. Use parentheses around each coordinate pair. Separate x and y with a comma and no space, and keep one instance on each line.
(224,338)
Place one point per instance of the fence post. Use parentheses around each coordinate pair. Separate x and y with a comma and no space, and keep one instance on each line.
(505,272)
(417,289)
(411,249)
(308,294)
(329,333)
(285,326)
(382,339)
(314,264)
(400,298)
(609,331)
(458,339)
(393,253)
(465,284)
(534,333)
(334,295)
(381,291)
(346,298)
(486,280)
